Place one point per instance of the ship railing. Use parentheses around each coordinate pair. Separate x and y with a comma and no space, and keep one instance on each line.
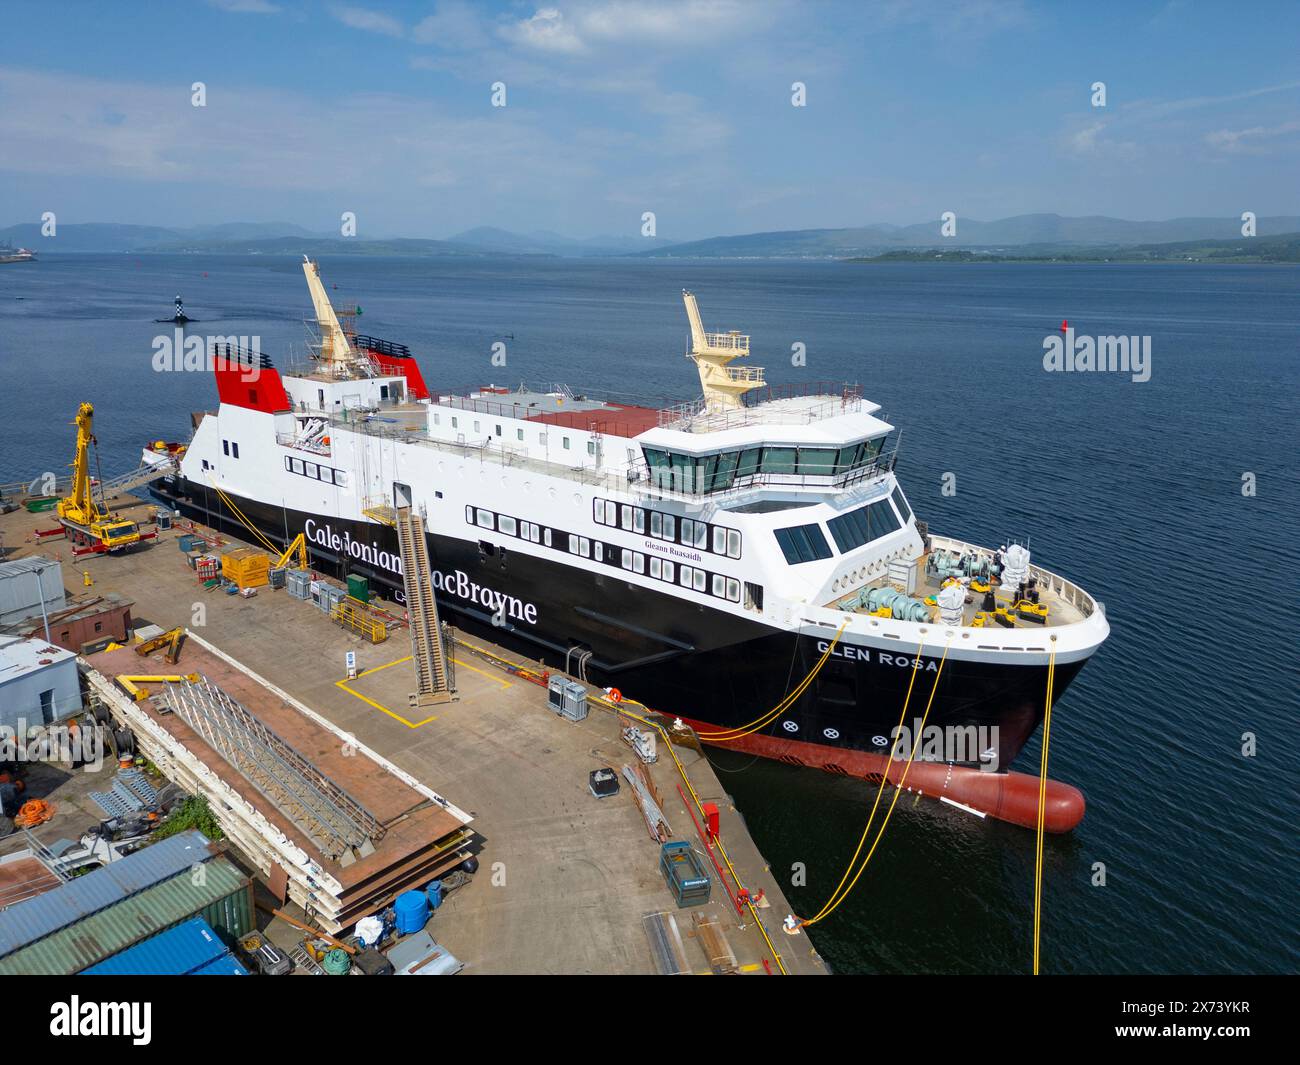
(737,342)
(764,406)
(488,450)
(1054,584)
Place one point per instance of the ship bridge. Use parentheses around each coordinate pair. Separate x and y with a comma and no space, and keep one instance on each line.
(810,436)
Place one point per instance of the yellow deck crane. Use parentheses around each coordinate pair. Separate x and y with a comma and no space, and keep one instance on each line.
(296,549)
(85,521)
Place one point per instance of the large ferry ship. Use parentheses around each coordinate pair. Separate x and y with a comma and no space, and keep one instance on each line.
(705,560)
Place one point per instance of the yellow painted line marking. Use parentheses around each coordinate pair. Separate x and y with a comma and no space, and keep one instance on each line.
(483,673)
(386,665)
(346,682)
(380,706)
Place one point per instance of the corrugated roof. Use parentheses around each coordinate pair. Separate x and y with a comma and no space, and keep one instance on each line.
(178,951)
(35,564)
(101,935)
(226,965)
(31,920)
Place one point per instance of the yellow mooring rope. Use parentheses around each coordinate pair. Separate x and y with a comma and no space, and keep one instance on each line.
(726,735)
(1042,804)
(245,522)
(839,896)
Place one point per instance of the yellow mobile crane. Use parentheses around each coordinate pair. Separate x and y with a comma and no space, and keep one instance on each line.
(85,521)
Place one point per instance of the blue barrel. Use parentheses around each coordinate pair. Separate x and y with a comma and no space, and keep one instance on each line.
(412,911)
(434,892)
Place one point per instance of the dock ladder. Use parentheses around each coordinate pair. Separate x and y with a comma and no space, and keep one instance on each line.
(433,684)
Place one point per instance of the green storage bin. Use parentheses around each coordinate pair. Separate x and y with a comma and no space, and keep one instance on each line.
(359,587)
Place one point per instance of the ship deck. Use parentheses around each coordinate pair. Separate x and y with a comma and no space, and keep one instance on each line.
(1067,603)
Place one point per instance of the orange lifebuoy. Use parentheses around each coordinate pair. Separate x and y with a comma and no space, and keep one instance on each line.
(615,696)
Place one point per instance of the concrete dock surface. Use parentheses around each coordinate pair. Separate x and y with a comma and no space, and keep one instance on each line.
(565,879)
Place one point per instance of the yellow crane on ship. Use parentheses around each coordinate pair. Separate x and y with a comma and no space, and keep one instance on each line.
(86,522)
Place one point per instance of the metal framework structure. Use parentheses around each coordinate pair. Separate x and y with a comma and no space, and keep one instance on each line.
(331,818)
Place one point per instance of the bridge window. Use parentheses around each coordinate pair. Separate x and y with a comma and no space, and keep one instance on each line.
(803,543)
(779,459)
(904,511)
(863,525)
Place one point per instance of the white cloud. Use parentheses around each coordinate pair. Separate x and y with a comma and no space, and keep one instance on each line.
(546,31)
(1249,141)
(363,18)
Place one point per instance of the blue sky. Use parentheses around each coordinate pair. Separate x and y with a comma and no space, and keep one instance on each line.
(616,107)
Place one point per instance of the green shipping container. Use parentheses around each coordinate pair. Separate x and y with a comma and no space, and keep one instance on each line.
(359,587)
(215,890)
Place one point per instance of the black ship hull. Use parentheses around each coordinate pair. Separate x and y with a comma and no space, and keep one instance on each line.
(712,668)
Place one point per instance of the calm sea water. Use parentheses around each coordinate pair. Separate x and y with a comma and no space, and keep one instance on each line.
(1133,490)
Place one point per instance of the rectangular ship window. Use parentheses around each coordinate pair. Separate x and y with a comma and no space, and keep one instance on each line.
(507,525)
(904,511)
(803,543)
(483,518)
(733,543)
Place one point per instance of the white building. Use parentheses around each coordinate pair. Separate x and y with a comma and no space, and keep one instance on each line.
(38,684)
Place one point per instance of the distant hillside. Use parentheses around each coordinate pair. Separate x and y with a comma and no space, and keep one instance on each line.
(1279,249)
(542,242)
(1031,229)
(116,237)
(325,246)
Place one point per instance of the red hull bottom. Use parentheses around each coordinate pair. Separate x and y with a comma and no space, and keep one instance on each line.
(1010,797)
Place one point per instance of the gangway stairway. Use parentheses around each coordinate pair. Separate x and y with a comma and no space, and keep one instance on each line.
(433,684)
(133,479)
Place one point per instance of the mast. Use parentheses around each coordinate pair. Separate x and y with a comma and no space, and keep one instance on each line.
(334,348)
(722,384)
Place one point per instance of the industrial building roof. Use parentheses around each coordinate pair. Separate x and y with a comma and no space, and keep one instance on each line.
(34,564)
(103,934)
(26,922)
(21,657)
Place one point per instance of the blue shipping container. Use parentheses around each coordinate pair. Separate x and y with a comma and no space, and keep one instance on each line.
(226,965)
(180,950)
